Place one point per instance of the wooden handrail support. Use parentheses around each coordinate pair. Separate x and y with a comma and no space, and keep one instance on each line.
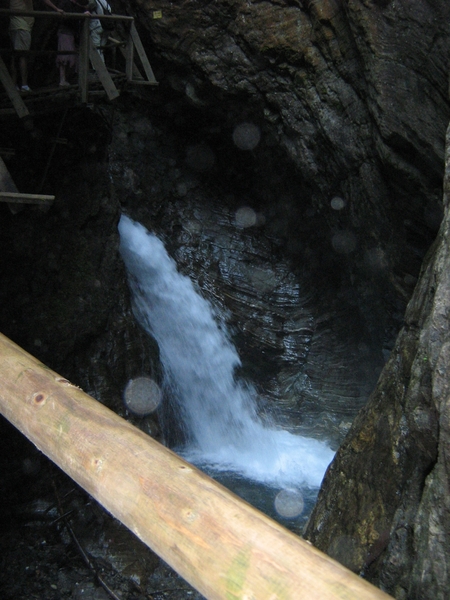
(19,198)
(13,94)
(54,15)
(220,544)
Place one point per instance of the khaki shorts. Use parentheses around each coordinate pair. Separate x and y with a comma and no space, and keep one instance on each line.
(21,40)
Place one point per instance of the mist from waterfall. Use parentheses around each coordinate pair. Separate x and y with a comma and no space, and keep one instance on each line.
(217,411)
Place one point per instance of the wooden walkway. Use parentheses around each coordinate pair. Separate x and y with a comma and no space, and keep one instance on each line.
(96,82)
(128,43)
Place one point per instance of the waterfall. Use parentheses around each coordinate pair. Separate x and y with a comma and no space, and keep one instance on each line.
(218,412)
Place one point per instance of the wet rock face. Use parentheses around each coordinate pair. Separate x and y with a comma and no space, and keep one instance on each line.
(383,508)
(353,93)
(340,111)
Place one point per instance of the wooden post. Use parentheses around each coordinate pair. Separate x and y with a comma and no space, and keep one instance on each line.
(9,192)
(16,99)
(83,67)
(129,57)
(136,75)
(7,185)
(221,545)
(142,55)
(99,66)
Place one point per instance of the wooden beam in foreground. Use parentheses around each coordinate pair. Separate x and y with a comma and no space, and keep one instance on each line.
(221,545)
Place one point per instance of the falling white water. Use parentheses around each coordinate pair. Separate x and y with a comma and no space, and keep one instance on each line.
(218,412)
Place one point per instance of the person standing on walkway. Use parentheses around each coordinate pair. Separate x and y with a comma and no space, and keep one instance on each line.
(98,34)
(67,58)
(20,33)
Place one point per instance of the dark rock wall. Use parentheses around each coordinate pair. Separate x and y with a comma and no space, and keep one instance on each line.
(354,93)
(63,293)
(384,507)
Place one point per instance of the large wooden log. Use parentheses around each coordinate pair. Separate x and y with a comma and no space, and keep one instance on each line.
(224,547)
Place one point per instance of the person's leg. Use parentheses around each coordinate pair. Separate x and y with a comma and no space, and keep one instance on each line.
(62,75)
(96,36)
(21,45)
(65,44)
(104,42)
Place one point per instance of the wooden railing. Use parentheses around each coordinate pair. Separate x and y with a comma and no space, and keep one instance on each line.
(224,547)
(129,44)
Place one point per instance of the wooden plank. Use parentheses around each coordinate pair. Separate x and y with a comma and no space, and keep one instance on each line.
(100,68)
(8,152)
(17,197)
(83,66)
(135,73)
(11,90)
(7,185)
(223,546)
(143,82)
(6,181)
(52,14)
(129,58)
(141,53)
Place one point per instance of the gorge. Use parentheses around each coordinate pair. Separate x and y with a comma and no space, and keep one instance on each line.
(293,161)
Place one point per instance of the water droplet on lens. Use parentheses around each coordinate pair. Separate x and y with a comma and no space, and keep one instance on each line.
(289,503)
(246,136)
(245,217)
(182,189)
(263,280)
(375,259)
(344,242)
(338,203)
(142,396)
